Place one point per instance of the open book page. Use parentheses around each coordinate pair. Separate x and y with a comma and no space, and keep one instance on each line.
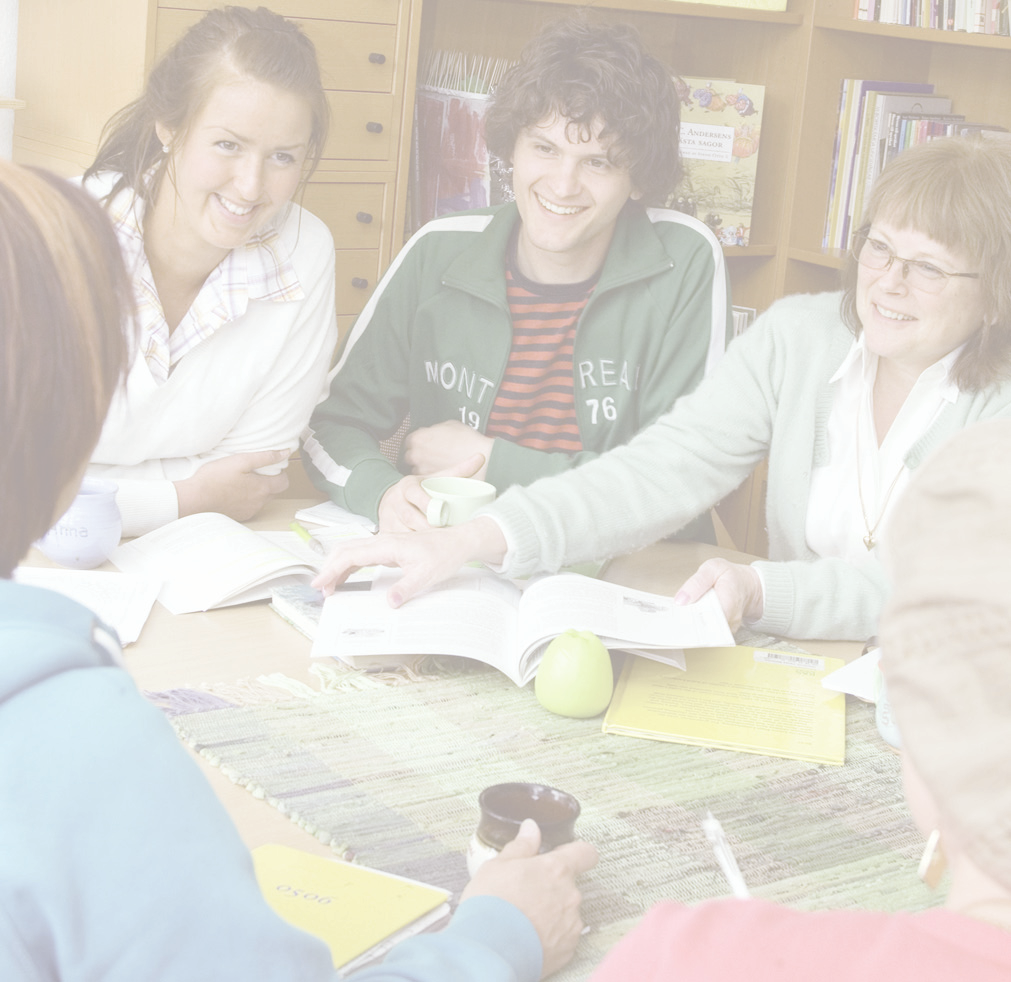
(472,615)
(327,537)
(618,615)
(120,600)
(208,560)
(328,514)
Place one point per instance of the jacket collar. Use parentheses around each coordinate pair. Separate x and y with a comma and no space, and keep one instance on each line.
(43,633)
(636,253)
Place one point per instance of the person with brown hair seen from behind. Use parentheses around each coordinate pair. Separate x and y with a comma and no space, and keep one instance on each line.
(524,339)
(233,282)
(119,862)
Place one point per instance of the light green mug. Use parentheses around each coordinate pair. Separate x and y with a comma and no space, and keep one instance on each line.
(455,499)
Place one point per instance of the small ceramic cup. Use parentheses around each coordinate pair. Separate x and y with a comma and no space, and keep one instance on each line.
(883,716)
(88,530)
(455,499)
(503,809)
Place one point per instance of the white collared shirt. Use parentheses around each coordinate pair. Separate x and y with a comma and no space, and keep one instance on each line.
(258,270)
(836,521)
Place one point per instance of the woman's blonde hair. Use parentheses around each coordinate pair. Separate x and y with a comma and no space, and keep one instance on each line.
(64,300)
(958,192)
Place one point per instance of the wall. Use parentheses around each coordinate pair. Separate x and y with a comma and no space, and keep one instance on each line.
(8,65)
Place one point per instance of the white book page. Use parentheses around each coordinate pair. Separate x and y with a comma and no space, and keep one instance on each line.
(204,560)
(472,615)
(619,616)
(327,513)
(327,537)
(120,600)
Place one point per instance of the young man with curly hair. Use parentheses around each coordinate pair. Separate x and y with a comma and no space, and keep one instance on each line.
(524,339)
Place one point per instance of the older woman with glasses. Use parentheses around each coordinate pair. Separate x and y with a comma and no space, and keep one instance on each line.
(845,394)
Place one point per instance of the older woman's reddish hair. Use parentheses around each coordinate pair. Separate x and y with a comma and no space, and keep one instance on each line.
(63,304)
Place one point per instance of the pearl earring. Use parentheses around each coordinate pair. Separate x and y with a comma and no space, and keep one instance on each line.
(164,148)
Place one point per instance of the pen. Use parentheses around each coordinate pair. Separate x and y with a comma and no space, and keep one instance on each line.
(303,533)
(724,856)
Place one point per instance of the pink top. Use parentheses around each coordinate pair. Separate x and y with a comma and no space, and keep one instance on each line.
(763,942)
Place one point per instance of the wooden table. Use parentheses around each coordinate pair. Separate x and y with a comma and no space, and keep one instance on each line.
(240,643)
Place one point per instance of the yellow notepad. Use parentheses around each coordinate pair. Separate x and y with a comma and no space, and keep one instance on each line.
(359,912)
(750,699)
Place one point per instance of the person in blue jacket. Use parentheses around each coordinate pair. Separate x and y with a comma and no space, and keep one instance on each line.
(118,862)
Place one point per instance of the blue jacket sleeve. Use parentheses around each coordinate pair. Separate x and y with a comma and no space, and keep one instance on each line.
(488,940)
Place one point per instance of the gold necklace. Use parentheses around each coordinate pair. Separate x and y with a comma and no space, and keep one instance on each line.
(869,541)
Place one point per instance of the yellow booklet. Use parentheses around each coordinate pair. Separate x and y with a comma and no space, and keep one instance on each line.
(359,912)
(752,699)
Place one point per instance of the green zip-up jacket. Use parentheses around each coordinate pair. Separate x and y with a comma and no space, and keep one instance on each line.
(434,340)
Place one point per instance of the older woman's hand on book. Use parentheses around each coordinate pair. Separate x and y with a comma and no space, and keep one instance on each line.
(738,587)
(427,558)
(542,886)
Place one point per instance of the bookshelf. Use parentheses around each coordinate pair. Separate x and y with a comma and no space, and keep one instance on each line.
(800,55)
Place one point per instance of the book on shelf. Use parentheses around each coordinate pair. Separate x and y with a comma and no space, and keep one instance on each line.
(881,106)
(721,125)
(968,16)
(743,318)
(483,616)
(755,700)
(210,560)
(359,912)
(853,105)
(907,129)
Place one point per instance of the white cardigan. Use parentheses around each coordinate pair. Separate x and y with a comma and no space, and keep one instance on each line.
(250,386)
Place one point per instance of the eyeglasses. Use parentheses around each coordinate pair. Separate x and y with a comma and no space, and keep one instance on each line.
(875,254)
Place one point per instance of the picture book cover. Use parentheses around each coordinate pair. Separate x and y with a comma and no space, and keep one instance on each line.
(721,125)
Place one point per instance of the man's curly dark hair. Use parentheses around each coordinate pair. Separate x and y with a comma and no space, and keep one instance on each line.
(590,72)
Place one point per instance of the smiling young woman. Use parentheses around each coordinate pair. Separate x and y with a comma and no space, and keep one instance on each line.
(234,283)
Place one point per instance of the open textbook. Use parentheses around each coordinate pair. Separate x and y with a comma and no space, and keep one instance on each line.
(209,560)
(483,616)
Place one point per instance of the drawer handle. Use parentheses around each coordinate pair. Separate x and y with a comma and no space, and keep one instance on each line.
(374,127)
(364,217)
(359,283)
(377,59)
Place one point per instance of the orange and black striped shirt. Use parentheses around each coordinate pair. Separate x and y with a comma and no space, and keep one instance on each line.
(535,405)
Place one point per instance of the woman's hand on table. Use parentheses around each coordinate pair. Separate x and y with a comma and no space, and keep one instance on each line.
(542,886)
(403,507)
(231,485)
(738,587)
(427,558)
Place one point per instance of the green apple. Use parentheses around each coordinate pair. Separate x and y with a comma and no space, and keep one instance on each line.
(574,677)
